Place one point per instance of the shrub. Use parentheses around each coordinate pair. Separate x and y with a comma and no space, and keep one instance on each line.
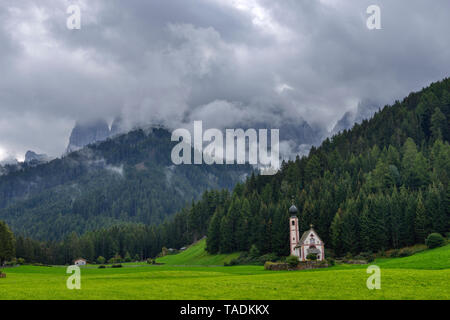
(21,261)
(275,266)
(311,256)
(329,253)
(434,240)
(102,266)
(268,257)
(331,261)
(232,262)
(395,253)
(116,266)
(151,261)
(101,260)
(116,259)
(405,252)
(11,263)
(368,255)
(292,261)
(254,251)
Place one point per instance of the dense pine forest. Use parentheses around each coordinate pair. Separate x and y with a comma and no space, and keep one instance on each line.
(383,184)
(125,179)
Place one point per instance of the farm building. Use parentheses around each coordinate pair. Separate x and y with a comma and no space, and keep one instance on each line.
(80,262)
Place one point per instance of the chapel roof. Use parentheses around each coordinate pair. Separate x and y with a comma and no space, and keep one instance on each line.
(306,233)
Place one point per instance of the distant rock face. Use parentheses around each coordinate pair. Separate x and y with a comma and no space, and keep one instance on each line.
(32,156)
(87,133)
(365,110)
(117,126)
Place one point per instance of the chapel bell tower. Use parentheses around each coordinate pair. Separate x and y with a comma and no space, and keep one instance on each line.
(293,227)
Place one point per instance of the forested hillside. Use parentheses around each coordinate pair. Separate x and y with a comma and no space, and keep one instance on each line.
(129,178)
(383,184)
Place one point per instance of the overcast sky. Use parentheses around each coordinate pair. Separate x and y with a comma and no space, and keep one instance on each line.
(169,61)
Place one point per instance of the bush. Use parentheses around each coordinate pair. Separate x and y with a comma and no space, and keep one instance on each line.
(331,261)
(21,261)
(11,263)
(101,260)
(115,260)
(368,256)
(330,253)
(434,240)
(116,266)
(276,266)
(102,266)
(151,261)
(292,261)
(311,256)
(272,257)
(395,253)
(406,252)
(232,262)
(254,252)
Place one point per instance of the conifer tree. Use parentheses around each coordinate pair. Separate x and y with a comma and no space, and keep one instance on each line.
(7,243)
(420,221)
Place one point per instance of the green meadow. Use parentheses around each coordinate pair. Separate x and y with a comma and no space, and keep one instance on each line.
(424,275)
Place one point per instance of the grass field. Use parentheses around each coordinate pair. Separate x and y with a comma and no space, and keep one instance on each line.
(425,275)
(196,255)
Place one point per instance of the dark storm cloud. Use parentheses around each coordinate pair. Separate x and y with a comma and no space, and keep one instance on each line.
(224,61)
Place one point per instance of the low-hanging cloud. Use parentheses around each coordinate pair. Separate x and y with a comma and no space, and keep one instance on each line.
(222,61)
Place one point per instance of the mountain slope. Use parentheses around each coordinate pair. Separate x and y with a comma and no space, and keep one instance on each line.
(383,184)
(129,178)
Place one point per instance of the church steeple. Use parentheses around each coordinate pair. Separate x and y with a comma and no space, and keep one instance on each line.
(293,209)
(293,229)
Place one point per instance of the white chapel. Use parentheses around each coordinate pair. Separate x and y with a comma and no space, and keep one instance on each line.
(309,242)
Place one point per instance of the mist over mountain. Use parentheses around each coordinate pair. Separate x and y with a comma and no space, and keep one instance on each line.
(33,157)
(123,179)
(365,110)
(85,133)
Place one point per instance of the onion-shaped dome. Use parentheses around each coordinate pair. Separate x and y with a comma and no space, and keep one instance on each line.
(293,209)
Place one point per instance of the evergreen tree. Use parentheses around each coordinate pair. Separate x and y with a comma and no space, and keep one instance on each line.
(7,243)
(214,234)
(421,221)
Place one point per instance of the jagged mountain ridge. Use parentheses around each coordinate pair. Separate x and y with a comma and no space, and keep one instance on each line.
(365,110)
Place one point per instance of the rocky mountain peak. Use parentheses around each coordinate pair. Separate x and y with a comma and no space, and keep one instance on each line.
(85,133)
